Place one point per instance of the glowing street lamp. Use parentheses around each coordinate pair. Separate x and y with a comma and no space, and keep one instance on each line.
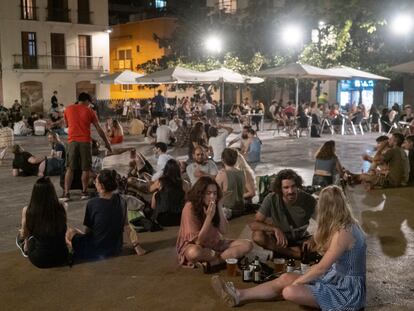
(213,44)
(292,35)
(402,24)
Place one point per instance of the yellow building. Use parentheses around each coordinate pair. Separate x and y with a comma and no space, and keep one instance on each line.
(133,44)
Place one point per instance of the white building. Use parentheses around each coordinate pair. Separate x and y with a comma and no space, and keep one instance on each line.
(48,45)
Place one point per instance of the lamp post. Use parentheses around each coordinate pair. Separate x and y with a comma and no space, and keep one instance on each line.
(402,25)
(214,45)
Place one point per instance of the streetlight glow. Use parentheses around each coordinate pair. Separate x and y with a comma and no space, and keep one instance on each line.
(402,24)
(292,35)
(213,44)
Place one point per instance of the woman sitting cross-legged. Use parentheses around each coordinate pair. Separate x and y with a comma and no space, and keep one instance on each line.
(337,282)
(105,220)
(202,225)
(42,235)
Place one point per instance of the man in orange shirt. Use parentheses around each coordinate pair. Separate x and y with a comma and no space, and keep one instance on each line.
(79,118)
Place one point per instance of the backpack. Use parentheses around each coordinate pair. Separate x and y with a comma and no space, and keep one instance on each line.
(264,185)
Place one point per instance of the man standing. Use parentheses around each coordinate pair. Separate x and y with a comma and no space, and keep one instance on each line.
(158,110)
(409,146)
(201,166)
(54,101)
(79,118)
(281,223)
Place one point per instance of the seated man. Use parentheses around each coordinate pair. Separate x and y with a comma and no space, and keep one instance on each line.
(398,166)
(24,163)
(160,150)
(164,133)
(409,145)
(281,223)
(232,182)
(201,166)
(217,140)
(40,126)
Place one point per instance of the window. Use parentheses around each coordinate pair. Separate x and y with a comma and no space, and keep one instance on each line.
(83,12)
(29,49)
(228,6)
(28,9)
(124,59)
(160,4)
(57,44)
(126,87)
(57,11)
(85,52)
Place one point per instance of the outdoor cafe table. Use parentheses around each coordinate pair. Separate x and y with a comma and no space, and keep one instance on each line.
(251,115)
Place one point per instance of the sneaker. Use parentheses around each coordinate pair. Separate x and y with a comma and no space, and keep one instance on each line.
(84,196)
(65,197)
(226,291)
(20,245)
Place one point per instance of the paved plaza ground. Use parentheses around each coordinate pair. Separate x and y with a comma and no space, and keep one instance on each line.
(156,282)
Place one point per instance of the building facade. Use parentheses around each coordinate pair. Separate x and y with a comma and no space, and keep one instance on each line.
(136,43)
(52,45)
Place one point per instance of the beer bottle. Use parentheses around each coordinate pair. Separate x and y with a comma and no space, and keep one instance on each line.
(247,270)
(305,262)
(290,265)
(257,270)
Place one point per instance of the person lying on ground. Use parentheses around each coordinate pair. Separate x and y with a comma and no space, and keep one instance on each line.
(202,225)
(337,282)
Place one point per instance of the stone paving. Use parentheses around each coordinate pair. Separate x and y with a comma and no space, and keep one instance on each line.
(155,281)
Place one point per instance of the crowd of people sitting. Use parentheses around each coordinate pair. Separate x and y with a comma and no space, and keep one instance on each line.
(201,195)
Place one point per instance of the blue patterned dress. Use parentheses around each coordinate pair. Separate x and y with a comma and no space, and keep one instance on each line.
(343,286)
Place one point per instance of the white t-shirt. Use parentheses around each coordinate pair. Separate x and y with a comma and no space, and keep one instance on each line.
(208,106)
(208,168)
(162,160)
(39,127)
(218,144)
(163,134)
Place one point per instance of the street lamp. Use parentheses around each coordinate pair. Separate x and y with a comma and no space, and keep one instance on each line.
(213,44)
(402,24)
(292,35)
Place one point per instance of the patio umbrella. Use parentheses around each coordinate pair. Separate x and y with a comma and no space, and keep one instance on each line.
(124,77)
(355,73)
(404,68)
(174,75)
(301,71)
(225,75)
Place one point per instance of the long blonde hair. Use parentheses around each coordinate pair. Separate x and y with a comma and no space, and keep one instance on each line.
(334,214)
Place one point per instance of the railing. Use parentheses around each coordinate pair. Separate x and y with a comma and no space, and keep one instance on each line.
(57,62)
(122,64)
(28,12)
(84,17)
(58,15)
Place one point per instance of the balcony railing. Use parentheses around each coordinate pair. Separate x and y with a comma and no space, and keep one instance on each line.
(28,12)
(58,15)
(57,62)
(84,17)
(122,64)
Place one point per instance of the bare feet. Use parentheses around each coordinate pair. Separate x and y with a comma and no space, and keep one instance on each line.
(140,251)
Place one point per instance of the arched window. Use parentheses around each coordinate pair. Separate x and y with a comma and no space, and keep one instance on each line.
(31,94)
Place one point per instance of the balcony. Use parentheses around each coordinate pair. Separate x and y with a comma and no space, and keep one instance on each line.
(122,64)
(58,15)
(57,62)
(28,12)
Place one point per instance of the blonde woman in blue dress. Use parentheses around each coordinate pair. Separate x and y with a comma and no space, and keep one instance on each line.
(337,282)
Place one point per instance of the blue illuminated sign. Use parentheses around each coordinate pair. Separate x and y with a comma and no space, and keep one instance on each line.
(355,85)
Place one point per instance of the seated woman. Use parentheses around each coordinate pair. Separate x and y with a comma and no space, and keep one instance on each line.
(337,282)
(327,165)
(42,235)
(151,135)
(105,220)
(235,113)
(202,225)
(168,199)
(254,147)
(116,133)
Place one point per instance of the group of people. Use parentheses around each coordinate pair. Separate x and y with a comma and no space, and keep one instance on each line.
(200,196)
